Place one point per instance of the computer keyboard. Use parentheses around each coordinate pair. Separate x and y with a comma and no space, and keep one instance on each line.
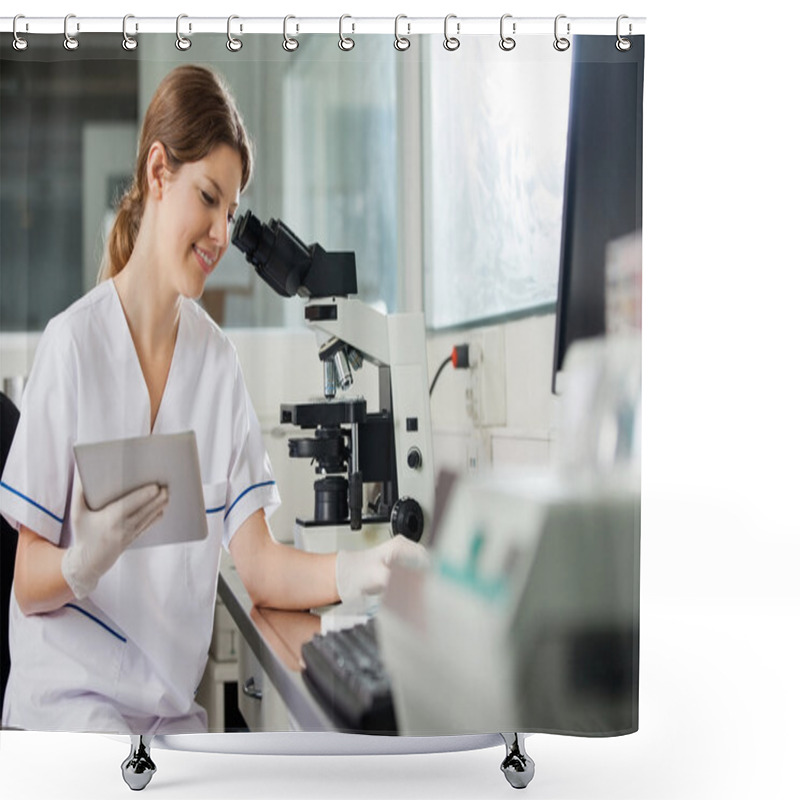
(344,670)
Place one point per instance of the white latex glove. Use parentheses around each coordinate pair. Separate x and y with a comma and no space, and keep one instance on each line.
(360,572)
(99,537)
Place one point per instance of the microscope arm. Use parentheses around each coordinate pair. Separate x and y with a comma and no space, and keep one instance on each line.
(355,323)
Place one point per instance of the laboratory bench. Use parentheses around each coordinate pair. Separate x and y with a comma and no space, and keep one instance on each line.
(272,693)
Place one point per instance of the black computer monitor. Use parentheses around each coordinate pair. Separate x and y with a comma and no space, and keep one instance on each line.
(603,180)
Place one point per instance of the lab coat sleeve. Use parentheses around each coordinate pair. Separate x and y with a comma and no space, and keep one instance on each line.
(36,481)
(251,483)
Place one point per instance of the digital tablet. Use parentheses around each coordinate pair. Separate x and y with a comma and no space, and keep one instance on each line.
(111,469)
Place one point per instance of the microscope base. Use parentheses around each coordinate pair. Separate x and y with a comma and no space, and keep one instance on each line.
(315,538)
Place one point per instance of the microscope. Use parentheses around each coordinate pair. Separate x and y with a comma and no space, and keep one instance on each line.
(388,448)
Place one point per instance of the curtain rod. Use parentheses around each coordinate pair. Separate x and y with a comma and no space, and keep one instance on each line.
(74,25)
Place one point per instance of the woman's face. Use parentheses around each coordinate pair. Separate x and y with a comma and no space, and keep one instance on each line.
(197,207)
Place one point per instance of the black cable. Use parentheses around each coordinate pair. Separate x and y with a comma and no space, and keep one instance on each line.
(444,363)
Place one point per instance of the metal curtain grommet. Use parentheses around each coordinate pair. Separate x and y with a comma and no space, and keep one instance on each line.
(233,44)
(70,42)
(181,42)
(622,44)
(400,42)
(19,43)
(345,42)
(128,42)
(506,42)
(289,44)
(451,42)
(561,43)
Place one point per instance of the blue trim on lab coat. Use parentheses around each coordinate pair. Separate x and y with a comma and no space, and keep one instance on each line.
(254,486)
(32,502)
(98,621)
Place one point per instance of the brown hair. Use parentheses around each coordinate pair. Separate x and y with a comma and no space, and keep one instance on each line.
(190,113)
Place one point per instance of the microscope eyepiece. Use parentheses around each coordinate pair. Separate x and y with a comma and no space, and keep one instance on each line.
(246,234)
(279,257)
(288,265)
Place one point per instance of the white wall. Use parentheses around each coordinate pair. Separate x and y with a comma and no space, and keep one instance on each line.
(516,412)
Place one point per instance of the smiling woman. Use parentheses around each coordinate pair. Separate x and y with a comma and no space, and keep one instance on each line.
(191,113)
(187,221)
(104,638)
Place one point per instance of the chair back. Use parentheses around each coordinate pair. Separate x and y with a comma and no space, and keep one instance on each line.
(9,416)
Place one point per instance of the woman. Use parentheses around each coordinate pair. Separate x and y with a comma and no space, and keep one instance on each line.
(104,638)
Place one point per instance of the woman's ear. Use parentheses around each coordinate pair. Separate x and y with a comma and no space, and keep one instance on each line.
(156,169)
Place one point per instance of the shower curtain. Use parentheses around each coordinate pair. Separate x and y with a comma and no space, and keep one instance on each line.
(493,190)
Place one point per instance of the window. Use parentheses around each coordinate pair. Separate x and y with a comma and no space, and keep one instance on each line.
(340,156)
(493,153)
(442,171)
(51,110)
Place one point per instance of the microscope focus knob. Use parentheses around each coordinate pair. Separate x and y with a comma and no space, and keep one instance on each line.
(407,519)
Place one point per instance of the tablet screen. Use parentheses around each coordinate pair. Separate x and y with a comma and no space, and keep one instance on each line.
(111,469)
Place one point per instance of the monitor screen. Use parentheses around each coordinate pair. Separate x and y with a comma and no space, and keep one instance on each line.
(603,181)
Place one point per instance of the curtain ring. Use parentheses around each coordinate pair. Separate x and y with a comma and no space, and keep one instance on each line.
(233,44)
(561,43)
(506,42)
(451,42)
(19,42)
(622,44)
(181,42)
(400,42)
(128,42)
(289,44)
(70,42)
(345,42)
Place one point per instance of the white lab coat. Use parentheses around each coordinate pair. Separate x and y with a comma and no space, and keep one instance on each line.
(128,658)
